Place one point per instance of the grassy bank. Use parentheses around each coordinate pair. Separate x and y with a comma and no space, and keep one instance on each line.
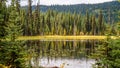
(57,37)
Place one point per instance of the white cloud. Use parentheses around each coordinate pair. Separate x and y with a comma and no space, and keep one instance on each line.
(61,2)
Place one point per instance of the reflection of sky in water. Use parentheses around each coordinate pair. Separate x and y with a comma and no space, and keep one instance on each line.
(69,63)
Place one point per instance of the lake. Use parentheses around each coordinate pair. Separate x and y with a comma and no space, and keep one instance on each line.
(66,54)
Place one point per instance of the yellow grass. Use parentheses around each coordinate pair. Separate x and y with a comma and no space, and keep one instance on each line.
(58,37)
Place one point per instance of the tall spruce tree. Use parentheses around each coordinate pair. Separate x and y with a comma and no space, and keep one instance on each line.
(93,26)
(36,22)
(100,23)
(2,29)
(87,24)
(13,52)
(2,18)
(29,23)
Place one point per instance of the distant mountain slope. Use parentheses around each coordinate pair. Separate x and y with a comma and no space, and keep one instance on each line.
(107,7)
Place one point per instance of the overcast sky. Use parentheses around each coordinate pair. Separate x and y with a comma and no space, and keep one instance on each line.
(65,2)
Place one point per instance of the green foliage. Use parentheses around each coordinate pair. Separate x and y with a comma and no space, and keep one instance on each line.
(15,22)
(119,0)
(66,23)
(81,8)
(53,23)
(108,54)
(12,52)
(2,18)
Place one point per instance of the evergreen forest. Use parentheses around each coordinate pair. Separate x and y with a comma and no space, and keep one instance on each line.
(58,20)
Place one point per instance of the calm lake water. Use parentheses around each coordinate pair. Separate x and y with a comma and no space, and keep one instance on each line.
(67,54)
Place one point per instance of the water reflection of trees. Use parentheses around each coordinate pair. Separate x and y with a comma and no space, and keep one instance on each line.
(60,49)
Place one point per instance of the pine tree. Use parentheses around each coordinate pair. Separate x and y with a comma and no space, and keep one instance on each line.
(107,54)
(36,22)
(74,24)
(79,24)
(87,27)
(13,54)
(48,20)
(29,23)
(2,29)
(2,18)
(100,23)
(43,25)
(93,26)
(18,6)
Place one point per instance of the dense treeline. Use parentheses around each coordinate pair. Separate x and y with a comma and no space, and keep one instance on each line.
(53,23)
(62,23)
(108,9)
(34,22)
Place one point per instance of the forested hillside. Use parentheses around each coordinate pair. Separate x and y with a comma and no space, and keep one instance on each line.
(108,8)
(84,19)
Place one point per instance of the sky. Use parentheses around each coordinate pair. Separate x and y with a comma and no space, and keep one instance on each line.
(62,2)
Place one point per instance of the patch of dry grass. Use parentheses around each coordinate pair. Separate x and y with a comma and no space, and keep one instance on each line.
(58,37)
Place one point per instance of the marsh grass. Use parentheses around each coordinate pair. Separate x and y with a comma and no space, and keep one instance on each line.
(58,37)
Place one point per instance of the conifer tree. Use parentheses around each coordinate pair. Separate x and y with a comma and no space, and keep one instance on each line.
(87,24)
(29,23)
(2,29)
(18,6)
(107,54)
(43,25)
(13,55)
(2,18)
(93,26)
(100,23)
(74,25)
(36,22)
